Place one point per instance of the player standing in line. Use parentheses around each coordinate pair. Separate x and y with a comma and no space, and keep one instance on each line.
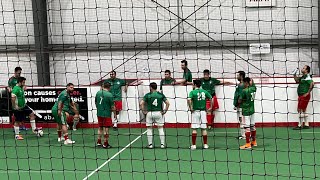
(105,105)
(116,91)
(187,76)
(304,89)
(152,106)
(20,110)
(238,107)
(168,80)
(197,106)
(208,83)
(246,99)
(59,112)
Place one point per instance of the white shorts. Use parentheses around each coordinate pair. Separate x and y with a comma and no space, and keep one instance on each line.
(199,120)
(249,121)
(239,115)
(154,117)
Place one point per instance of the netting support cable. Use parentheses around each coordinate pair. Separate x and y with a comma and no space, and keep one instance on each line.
(39,8)
(224,47)
(318,39)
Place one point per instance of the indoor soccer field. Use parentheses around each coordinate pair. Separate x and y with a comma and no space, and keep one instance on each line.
(281,154)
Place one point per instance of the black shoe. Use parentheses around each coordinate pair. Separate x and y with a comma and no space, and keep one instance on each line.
(297,128)
(108,146)
(306,127)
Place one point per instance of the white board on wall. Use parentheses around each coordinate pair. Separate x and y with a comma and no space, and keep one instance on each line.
(260,3)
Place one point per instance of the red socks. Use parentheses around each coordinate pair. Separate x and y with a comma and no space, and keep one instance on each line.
(194,138)
(99,141)
(66,137)
(253,135)
(209,119)
(106,138)
(205,139)
(247,137)
(59,134)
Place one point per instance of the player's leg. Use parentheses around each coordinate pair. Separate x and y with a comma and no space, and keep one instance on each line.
(215,106)
(118,106)
(209,113)
(32,118)
(203,127)
(304,108)
(100,132)
(149,123)
(76,116)
(241,122)
(248,133)
(63,123)
(59,131)
(253,131)
(195,124)
(19,117)
(57,119)
(299,109)
(160,123)
(106,144)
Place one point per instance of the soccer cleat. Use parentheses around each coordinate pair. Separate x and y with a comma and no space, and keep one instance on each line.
(246,146)
(193,147)
(60,139)
(306,127)
(254,143)
(150,146)
(162,146)
(240,137)
(19,137)
(68,141)
(74,129)
(205,146)
(106,146)
(297,128)
(37,129)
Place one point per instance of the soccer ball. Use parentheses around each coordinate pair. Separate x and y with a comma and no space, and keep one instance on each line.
(40,133)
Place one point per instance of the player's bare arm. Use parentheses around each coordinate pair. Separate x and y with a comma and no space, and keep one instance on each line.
(142,107)
(167,107)
(211,105)
(60,108)
(126,87)
(310,89)
(296,78)
(190,105)
(13,100)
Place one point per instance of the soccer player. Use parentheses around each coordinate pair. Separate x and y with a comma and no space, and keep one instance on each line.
(187,76)
(152,106)
(208,83)
(304,89)
(20,110)
(73,114)
(13,81)
(238,107)
(105,105)
(197,106)
(167,79)
(59,112)
(246,99)
(116,91)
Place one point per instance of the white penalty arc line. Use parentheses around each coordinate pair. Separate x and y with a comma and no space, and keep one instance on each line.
(105,163)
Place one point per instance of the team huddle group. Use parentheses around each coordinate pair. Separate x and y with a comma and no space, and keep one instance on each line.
(201,101)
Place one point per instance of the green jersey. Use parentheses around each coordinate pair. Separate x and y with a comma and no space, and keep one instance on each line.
(154,101)
(187,75)
(104,103)
(247,96)
(198,97)
(209,85)
(166,82)
(65,99)
(13,81)
(304,84)
(237,93)
(20,98)
(116,85)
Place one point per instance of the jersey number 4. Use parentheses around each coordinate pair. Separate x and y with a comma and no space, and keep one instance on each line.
(155,102)
(201,96)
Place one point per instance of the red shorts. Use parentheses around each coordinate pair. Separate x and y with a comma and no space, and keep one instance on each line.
(69,119)
(104,122)
(215,105)
(303,102)
(118,105)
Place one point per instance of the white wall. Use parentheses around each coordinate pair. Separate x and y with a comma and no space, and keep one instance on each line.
(273,102)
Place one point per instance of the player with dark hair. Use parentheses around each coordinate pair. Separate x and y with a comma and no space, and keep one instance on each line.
(13,81)
(105,106)
(152,106)
(238,107)
(197,106)
(168,80)
(208,83)
(116,91)
(59,112)
(304,89)
(246,100)
(187,75)
(20,110)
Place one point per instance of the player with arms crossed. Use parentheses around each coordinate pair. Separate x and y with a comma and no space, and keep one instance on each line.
(154,102)
(105,105)
(20,109)
(238,107)
(59,112)
(304,89)
(116,91)
(197,106)
(246,99)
